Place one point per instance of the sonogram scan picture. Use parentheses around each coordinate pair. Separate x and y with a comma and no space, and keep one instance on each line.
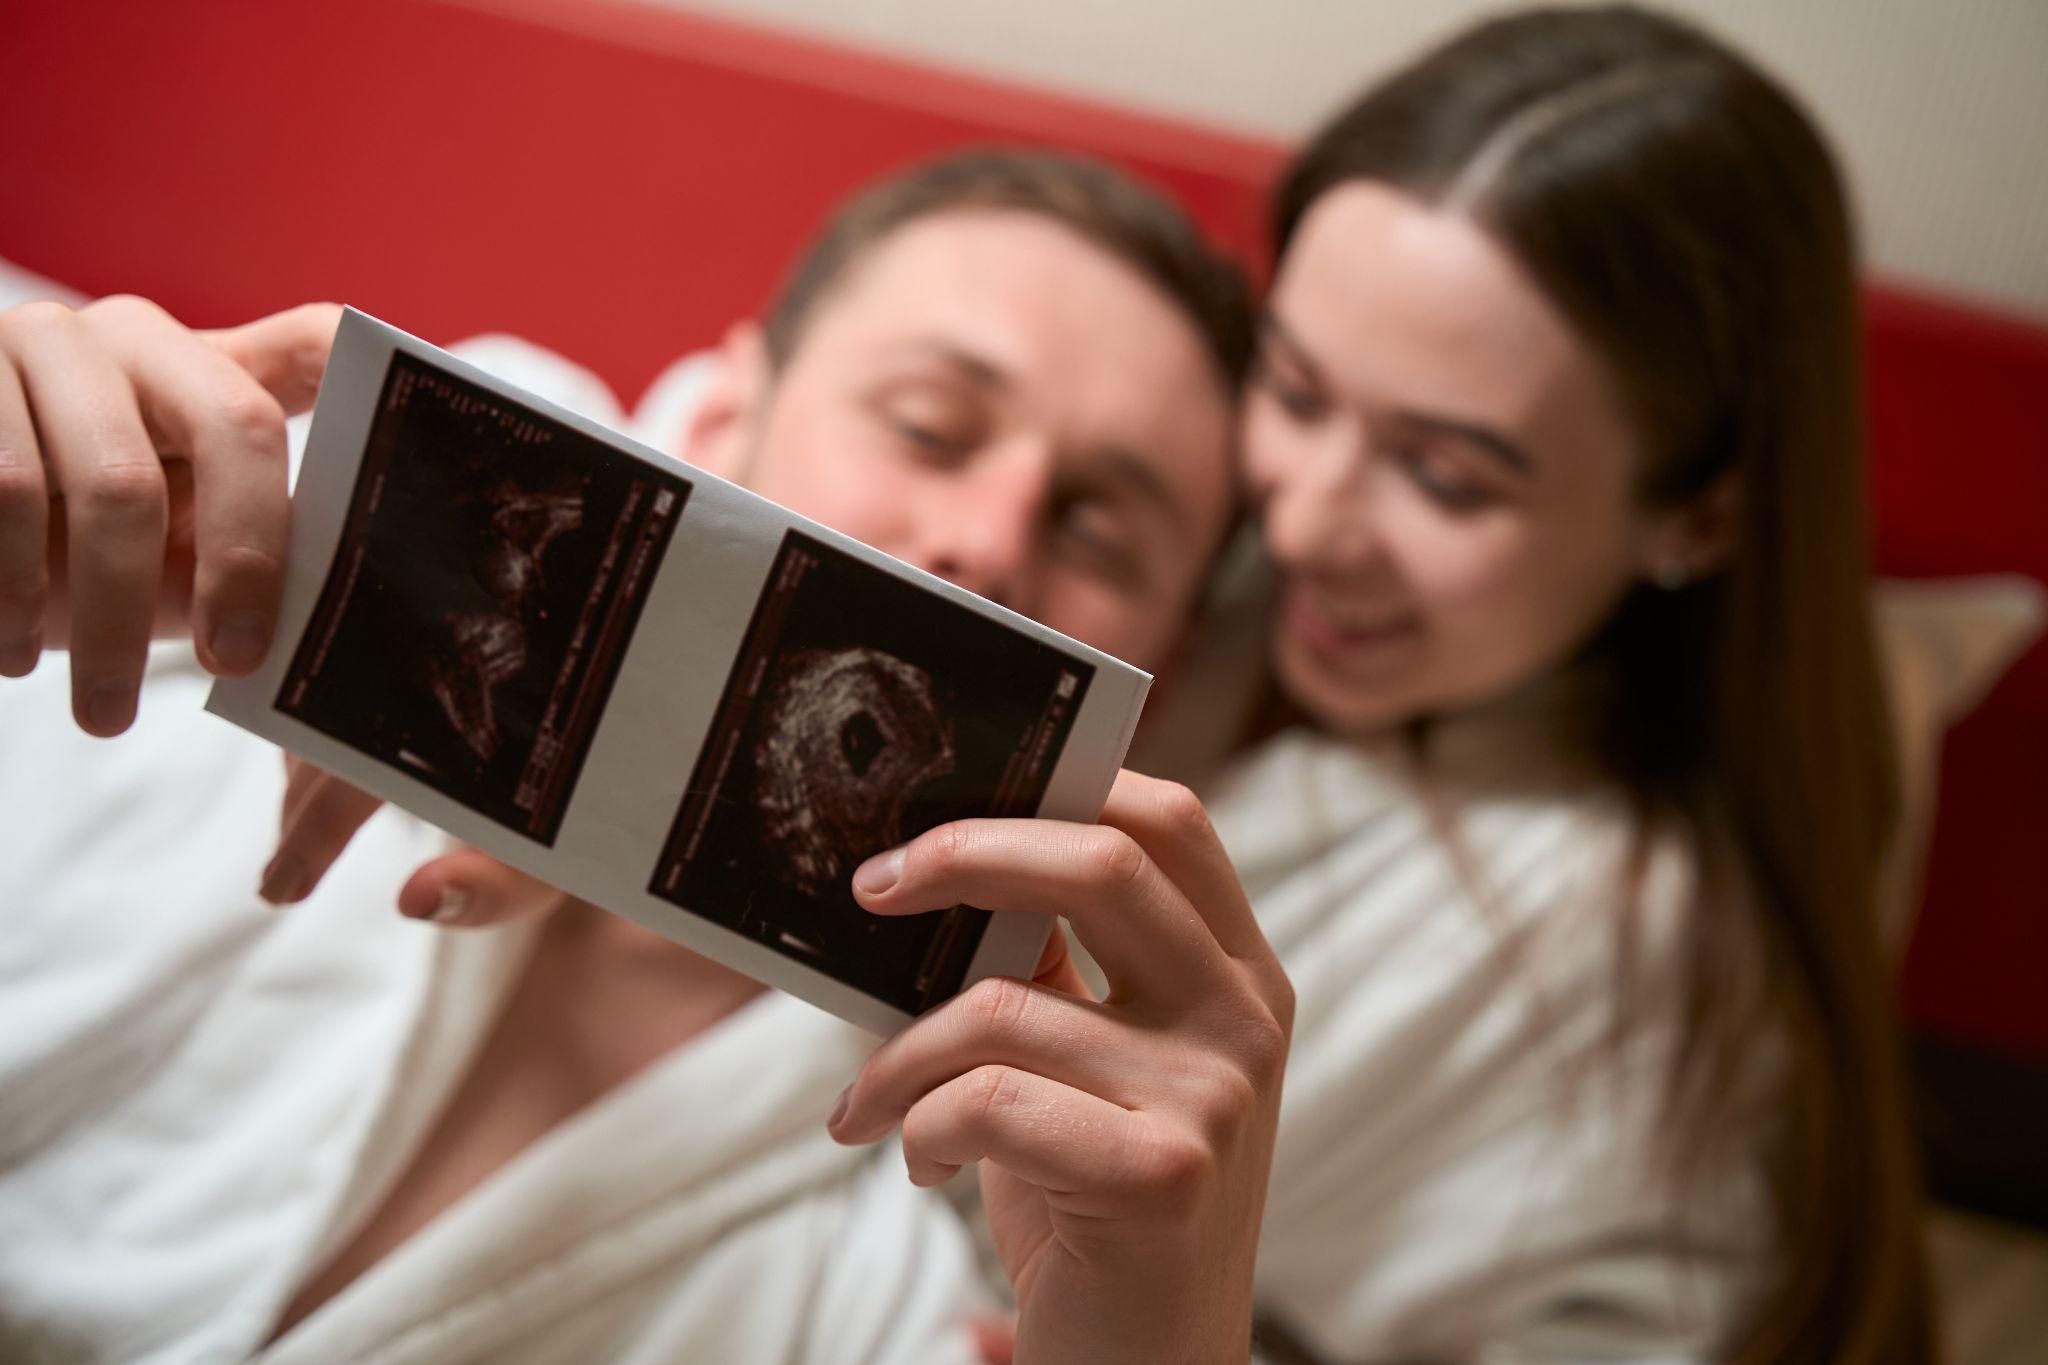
(851,738)
(486,646)
(491,564)
(859,712)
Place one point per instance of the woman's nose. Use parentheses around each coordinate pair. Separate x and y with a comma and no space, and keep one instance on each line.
(1323,511)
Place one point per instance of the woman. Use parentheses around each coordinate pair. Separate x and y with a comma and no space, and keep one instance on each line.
(1569,830)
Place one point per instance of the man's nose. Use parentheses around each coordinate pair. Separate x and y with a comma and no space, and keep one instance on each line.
(983,531)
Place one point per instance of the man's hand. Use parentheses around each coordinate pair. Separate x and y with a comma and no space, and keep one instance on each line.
(1125,1142)
(142,488)
(466,888)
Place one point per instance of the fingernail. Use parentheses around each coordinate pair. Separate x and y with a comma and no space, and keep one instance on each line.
(283,880)
(879,873)
(453,902)
(239,640)
(839,1107)
(110,706)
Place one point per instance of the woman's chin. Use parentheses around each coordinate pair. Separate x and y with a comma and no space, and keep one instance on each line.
(1344,705)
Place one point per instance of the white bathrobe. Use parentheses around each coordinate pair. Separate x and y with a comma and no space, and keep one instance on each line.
(201,1099)
(1465,1165)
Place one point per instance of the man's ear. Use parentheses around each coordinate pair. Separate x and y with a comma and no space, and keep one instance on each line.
(724,426)
(1694,540)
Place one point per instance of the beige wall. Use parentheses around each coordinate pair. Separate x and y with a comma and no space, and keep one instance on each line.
(1940,108)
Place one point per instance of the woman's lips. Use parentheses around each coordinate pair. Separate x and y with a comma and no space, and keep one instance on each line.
(1342,636)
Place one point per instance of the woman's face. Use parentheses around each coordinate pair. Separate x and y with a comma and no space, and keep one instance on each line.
(1445,474)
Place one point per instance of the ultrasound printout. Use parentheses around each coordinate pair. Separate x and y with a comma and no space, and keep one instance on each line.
(861,712)
(655,690)
(492,568)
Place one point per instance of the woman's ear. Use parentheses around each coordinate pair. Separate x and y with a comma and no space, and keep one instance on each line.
(1694,540)
(723,428)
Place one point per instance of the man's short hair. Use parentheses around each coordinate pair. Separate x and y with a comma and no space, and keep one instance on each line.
(1134,223)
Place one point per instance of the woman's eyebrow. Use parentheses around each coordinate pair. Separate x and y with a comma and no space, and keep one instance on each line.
(1485,438)
(1274,333)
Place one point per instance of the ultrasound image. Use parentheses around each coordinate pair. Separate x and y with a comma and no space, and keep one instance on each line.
(862,711)
(491,570)
(848,737)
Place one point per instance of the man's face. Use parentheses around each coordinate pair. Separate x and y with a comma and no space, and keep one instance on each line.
(991,397)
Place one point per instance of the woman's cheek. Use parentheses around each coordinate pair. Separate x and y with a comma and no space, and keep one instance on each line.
(1481,592)
(1457,570)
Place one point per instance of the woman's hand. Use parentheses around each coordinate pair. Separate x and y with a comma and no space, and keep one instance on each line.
(1124,1142)
(142,488)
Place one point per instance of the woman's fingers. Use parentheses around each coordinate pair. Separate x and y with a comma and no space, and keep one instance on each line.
(995,1339)
(999,1020)
(1056,967)
(1169,822)
(1140,928)
(24,516)
(322,813)
(202,407)
(469,889)
(1100,1156)
(98,457)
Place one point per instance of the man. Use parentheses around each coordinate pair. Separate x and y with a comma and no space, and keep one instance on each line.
(336,1135)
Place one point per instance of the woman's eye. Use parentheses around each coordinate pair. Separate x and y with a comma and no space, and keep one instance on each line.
(1298,401)
(1438,478)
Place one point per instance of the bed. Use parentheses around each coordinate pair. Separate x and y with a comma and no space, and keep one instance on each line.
(619,183)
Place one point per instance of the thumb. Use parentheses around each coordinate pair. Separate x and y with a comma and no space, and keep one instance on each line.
(995,1339)
(286,352)
(469,889)
(1056,966)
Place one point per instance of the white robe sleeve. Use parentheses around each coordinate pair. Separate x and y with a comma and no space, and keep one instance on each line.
(1466,1168)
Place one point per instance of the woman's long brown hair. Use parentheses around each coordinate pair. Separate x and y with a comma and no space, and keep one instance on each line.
(1675,204)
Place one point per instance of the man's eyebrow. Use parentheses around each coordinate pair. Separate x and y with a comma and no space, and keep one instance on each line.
(1485,438)
(1123,466)
(977,369)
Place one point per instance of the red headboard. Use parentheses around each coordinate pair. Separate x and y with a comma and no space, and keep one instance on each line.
(619,183)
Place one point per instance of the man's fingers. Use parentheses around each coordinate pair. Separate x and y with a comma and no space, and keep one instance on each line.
(203,406)
(99,458)
(24,516)
(1138,925)
(469,889)
(997,1020)
(286,352)
(322,813)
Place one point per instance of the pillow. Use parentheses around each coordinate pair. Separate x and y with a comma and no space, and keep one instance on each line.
(1942,643)
(22,286)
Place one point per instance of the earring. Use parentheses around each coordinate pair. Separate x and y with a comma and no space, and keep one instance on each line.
(1671,575)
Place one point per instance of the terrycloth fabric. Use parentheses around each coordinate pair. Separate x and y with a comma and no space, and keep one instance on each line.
(1464,1170)
(201,1099)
